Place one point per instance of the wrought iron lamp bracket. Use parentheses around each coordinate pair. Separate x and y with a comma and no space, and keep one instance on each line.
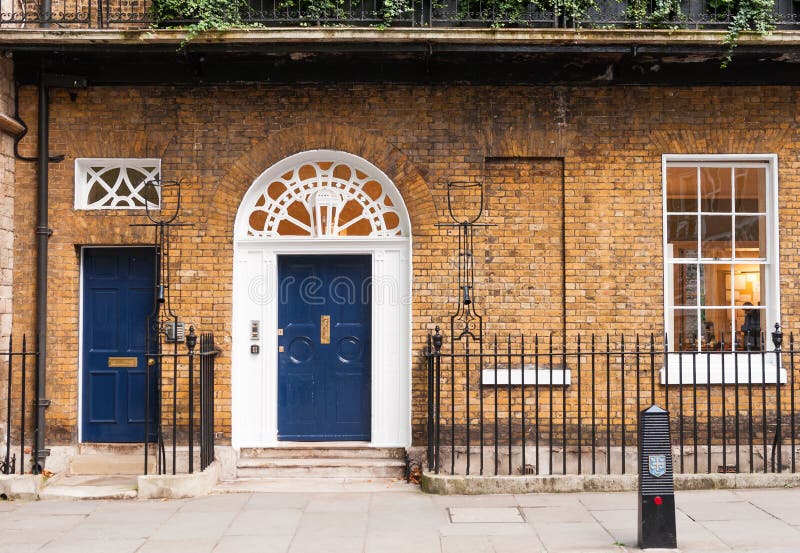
(466,322)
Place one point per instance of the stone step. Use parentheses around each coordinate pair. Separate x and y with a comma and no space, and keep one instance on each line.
(109,464)
(115,449)
(319,451)
(329,467)
(90,487)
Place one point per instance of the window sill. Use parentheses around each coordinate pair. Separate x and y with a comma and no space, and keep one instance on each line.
(533,377)
(739,369)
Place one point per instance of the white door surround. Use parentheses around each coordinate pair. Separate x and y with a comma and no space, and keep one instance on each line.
(320,202)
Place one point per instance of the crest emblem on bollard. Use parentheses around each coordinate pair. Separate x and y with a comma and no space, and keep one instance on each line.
(657,465)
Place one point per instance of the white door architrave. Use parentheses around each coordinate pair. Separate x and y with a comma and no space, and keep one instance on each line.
(256,289)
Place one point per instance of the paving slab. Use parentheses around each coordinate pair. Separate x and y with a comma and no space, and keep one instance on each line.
(72,545)
(730,510)
(327,544)
(339,503)
(545,515)
(173,546)
(14,540)
(466,544)
(487,529)
(266,522)
(513,544)
(206,525)
(253,544)
(770,533)
(693,536)
(260,501)
(398,522)
(459,515)
(576,536)
(415,539)
(216,503)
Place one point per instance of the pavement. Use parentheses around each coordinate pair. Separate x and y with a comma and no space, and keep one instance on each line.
(396,518)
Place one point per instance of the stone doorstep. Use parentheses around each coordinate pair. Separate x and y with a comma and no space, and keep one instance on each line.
(102,486)
(477,485)
(168,486)
(70,487)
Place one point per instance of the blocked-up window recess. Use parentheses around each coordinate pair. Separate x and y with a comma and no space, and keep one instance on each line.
(117,183)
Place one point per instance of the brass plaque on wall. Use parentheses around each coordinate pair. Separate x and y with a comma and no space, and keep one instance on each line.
(123,362)
(325,329)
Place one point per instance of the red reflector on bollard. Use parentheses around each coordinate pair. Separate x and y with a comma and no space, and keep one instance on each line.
(657,500)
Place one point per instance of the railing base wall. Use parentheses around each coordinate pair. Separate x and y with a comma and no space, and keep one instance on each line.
(553,464)
(479,485)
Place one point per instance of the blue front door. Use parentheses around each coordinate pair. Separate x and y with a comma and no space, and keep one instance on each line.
(324,348)
(117,301)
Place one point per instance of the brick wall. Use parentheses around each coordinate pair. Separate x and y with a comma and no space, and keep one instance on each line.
(587,157)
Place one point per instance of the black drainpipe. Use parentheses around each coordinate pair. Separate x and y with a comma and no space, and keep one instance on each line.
(43,233)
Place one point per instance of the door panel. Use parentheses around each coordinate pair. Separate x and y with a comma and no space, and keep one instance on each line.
(118,286)
(324,374)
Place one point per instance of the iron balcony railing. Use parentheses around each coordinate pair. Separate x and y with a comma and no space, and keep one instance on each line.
(630,14)
(545,405)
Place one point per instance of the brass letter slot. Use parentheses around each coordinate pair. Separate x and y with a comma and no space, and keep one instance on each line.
(123,362)
(325,329)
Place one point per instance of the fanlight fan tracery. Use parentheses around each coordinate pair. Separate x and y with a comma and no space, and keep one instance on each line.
(321,199)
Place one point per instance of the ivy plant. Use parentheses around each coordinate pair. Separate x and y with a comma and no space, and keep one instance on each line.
(500,13)
(748,15)
(199,15)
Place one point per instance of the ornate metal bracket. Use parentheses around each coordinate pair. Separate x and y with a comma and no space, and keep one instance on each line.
(466,321)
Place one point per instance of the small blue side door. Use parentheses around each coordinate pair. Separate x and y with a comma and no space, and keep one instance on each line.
(117,300)
(325,351)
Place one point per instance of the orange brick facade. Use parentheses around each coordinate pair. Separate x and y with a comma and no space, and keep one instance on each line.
(573,183)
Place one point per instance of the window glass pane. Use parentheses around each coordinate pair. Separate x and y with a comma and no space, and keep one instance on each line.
(751,236)
(715,329)
(684,284)
(682,234)
(715,189)
(750,324)
(748,285)
(684,331)
(682,189)
(715,285)
(751,190)
(716,232)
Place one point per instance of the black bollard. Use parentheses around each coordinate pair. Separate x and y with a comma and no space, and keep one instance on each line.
(656,485)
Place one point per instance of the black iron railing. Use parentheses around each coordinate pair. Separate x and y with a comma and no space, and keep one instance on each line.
(183,415)
(636,14)
(543,405)
(19,411)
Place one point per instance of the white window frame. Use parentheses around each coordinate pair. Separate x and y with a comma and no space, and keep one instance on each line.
(82,188)
(725,367)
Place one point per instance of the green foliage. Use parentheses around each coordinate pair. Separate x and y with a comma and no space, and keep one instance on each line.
(665,14)
(199,15)
(208,15)
(392,10)
(500,13)
(748,15)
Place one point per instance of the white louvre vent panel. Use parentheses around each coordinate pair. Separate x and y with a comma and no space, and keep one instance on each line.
(117,183)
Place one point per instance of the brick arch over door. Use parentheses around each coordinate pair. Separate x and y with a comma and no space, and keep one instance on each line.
(328,136)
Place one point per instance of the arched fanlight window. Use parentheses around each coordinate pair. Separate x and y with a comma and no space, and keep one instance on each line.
(323,194)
